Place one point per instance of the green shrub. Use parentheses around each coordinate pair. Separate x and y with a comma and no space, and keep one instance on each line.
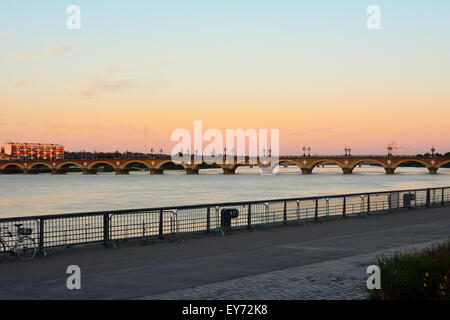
(420,275)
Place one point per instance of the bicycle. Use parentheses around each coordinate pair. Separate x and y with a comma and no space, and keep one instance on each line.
(24,246)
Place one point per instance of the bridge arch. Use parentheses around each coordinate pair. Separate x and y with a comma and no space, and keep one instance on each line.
(397,164)
(422,165)
(128,165)
(97,164)
(38,165)
(167,164)
(283,161)
(361,161)
(68,164)
(442,164)
(286,162)
(316,163)
(12,166)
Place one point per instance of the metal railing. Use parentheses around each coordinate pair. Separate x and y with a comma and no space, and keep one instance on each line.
(166,222)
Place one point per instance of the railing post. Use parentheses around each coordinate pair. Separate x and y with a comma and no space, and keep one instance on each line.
(344,207)
(41,234)
(428,203)
(208,220)
(390,202)
(161,219)
(368,203)
(105,228)
(442,197)
(285,213)
(249,216)
(316,211)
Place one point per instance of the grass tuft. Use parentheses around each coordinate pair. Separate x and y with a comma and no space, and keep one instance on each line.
(422,275)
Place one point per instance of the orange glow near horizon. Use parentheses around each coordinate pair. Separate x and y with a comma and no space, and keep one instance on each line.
(325,87)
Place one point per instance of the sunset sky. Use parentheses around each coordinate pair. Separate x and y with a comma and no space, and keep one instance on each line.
(309,68)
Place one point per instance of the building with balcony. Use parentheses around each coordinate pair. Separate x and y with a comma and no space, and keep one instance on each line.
(34,150)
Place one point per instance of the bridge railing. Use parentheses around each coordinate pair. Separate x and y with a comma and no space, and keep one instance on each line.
(281,156)
(167,222)
(377,156)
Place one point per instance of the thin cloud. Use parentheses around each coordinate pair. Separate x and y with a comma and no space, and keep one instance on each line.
(98,86)
(313,130)
(23,57)
(3,35)
(112,69)
(25,83)
(52,51)
(58,49)
(168,60)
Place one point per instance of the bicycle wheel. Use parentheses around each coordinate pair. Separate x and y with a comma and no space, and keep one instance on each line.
(26,248)
(3,250)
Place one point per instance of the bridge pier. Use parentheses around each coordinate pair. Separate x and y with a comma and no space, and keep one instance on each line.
(229,170)
(191,170)
(306,170)
(60,171)
(156,171)
(122,171)
(30,171)
(389,170)
(89,171)
(347,170)
(266,170)
(433,170)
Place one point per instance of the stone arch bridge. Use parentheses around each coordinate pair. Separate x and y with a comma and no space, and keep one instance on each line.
(157,165)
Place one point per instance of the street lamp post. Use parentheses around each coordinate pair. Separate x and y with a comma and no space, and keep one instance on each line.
(347,151)
(389,148)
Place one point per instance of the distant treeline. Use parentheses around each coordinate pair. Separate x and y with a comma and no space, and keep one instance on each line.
(437,154)
(415,164)
(110,155)
(136,155)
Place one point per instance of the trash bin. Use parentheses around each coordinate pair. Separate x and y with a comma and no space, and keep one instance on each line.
(226,215)
(407,200)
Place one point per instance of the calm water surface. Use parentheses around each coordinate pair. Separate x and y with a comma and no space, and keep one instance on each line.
(25,195)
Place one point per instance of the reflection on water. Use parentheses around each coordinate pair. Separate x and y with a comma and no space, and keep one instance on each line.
(24,195)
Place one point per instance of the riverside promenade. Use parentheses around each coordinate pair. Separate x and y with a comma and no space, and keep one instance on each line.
(320,260)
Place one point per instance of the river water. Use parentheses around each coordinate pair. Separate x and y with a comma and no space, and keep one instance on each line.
(28,195)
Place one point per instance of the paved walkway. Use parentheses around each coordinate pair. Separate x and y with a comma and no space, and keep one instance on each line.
(319,260)
(341,279)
